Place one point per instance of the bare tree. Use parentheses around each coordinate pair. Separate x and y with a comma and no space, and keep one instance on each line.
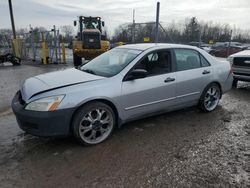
(67,30)
(183,32)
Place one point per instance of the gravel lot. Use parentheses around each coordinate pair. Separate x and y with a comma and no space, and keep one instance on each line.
(185,148)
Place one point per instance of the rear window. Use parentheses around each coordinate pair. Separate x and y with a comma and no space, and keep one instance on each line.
(189,59)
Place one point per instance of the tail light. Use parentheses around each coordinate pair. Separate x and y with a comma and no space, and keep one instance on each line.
(230,71)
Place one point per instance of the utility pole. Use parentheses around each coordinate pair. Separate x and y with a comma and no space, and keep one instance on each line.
(200,37)
(55,43)
(229,44)
(32,40)
(16,50)
(58,46)
(133,27)
(157,22)
(12,20)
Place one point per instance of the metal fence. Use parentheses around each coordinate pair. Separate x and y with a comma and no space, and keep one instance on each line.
(38,47)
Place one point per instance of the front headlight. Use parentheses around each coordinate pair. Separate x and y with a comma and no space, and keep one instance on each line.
(45,104)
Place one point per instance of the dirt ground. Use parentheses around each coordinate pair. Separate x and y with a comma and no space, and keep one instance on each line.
(185,148)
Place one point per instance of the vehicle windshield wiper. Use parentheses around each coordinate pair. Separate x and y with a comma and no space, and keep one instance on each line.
(89,71)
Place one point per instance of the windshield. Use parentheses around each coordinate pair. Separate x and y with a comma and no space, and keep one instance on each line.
(110,63)
(94,24)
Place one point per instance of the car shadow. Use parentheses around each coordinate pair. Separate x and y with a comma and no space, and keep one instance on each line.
(8,66)
(188,119)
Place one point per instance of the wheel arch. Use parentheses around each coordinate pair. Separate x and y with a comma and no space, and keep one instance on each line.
(105,101)
(218,83)
(213,82)
(201,100)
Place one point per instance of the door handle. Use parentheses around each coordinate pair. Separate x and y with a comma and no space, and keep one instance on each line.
(169,79)
(206,72)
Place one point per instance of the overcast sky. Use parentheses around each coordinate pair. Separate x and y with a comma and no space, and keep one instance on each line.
(114,12)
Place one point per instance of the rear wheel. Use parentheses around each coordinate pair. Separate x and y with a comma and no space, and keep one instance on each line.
(93,123)
(210,98)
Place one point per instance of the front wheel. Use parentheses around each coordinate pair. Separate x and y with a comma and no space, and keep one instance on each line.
(93,123)
(210,98)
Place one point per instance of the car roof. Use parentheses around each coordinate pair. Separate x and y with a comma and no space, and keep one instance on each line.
(146,46)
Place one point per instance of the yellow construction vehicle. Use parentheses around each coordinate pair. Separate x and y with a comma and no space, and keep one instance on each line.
(90,42)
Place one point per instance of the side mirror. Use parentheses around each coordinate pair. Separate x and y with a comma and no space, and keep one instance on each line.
(75,23)
(103,23)
(137,73)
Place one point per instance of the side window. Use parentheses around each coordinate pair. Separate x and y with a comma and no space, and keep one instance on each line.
(187,59)
(153,57)
(156,63)
(204,62)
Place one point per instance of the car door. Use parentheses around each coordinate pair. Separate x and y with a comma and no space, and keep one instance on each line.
(193,74)
(154,92)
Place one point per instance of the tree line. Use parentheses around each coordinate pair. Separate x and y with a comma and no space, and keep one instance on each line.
(190,30)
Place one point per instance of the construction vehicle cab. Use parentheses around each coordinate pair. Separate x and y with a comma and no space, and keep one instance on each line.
(90,41)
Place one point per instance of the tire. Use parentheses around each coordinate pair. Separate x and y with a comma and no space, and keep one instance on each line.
(93,123)
(235,82)
(15,61)
(210,98)
(77,60)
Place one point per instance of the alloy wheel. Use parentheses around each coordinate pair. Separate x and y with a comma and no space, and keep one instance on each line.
(212,98)
(96,125)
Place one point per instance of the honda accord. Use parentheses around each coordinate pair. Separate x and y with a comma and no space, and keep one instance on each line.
(126,83)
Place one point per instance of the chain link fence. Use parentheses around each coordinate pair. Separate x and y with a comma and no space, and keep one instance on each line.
(38,47)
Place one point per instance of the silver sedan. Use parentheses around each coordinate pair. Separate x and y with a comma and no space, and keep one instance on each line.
(126,83)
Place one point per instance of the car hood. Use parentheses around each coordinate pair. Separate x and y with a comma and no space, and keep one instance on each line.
(55,80)
(244,53)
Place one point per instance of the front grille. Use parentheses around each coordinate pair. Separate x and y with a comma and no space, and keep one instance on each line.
(91,41)
(243,74)
(242,61)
